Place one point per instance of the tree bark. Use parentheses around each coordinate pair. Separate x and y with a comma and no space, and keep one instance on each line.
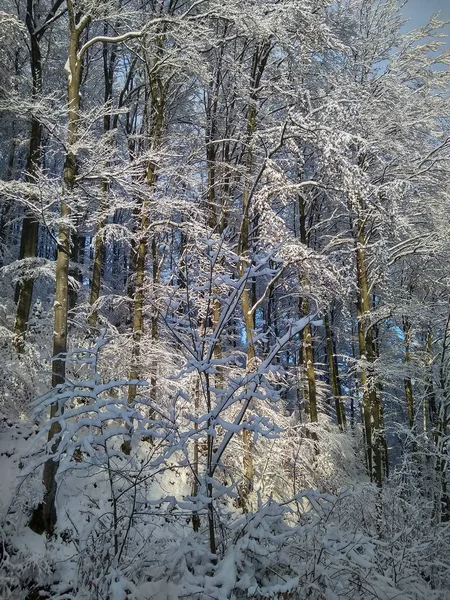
(259,60)
(308,350)
(44,518)
(367,353)
(248,316)
(156,125)
(30,225)
(407,380)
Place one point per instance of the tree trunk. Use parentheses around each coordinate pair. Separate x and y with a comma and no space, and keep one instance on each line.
(30,225)
(44,518)
(441,431)
(6,206)
(334,376)
(108,75)
(154,317)
(155,133)
(260,57)
(407,380)
(371,401)
(308,350)
(248,316)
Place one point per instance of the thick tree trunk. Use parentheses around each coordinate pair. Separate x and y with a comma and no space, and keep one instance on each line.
(367,353)
(30,225)
(44,518)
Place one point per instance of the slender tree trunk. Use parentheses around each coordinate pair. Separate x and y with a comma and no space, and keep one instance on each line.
(407,380)
(248,315)
(308,361)
(308,350)
(260,57)
(214,210)
(195,465)
(355,395)
(109,60)
(138,308)
(430,396)
(429,414)
(154,317)
(334,376)
(441,431)
(96,270)
(158,93)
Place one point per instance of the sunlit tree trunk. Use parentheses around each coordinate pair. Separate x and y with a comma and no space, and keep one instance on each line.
(367,353)
(44,518)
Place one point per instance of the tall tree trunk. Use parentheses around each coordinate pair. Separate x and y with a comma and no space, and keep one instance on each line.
(30,225)
(367,353)
(308,350)
(195,462)
(248,315)
(109,60)
(260,57)
(156,124)
(44,518)
(154,317)
(249,325)
(215,212)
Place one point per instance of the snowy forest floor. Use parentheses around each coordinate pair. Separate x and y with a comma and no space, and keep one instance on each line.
(360,544)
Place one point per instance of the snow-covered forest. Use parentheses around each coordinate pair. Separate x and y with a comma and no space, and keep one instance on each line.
(224,301)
